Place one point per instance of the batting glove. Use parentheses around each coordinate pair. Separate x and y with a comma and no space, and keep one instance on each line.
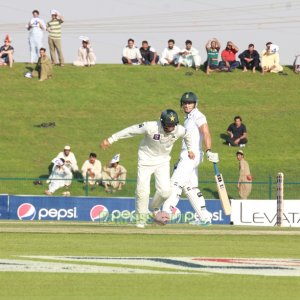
(213,157)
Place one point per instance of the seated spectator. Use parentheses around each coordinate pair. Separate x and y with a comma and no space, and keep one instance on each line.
(170,54)
(189,57)
(43,69)
(91,170)
(86,56)
(212,48)
(269,58)
(60,177)
(114,175)
(6,53)
(149,55)
(237,133)
(131,54)
(229,62)
(249,59)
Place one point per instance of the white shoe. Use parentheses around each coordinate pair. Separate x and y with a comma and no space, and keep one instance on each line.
(140,225)
(242,145)
(204,219)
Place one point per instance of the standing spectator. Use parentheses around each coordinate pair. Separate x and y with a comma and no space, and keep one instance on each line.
(6,53)
(229,62)
(296,64)
(270,59)
(153,158)
(43,69)
(189,56)
(114,175)
(170,54)
(131,54)
(249,59)
(149,54)
(54,39)
(237,133)
(245,179)
(86,56)
(35,26)
(91,170)
(212,48)
(60,176)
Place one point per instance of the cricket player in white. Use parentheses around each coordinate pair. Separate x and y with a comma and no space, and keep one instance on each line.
(185,176)
(154,158)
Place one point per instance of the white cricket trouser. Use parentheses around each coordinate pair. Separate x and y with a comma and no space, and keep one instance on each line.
(35,43)
(162,184)
(185,175)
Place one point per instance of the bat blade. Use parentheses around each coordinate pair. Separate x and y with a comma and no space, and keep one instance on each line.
(223,196)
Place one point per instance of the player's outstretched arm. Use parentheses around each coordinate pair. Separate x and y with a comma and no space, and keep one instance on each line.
(105,144)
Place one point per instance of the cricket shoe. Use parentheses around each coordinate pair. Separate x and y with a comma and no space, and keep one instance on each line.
(204,219)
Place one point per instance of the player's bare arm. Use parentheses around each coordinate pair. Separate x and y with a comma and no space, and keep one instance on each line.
(105,144)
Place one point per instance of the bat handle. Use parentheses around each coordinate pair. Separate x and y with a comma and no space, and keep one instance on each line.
(216,168)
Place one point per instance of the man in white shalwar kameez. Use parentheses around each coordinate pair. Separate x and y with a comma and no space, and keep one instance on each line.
(189,57)
(86,56)
(59,177)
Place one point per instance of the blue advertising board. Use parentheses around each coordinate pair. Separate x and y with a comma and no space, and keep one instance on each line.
(4,207)
(116,210)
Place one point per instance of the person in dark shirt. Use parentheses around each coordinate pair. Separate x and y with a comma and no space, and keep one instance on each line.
(149,55)
(237,133)
(249,59)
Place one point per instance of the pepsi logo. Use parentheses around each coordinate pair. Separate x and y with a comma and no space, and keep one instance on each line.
(26,211)
(99,213)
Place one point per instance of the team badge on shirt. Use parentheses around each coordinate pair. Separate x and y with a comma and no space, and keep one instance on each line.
(156,136)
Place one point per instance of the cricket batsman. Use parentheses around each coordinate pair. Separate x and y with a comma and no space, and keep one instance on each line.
(185,176)
(153,158)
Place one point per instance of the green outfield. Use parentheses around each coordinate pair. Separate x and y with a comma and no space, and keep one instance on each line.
(35,239)
(89,104)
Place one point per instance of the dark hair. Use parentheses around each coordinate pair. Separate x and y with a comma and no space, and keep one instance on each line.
(43,49)
(92,154)
(171,41)
(130,40)
(237,117)
(251,45)
(188,42)
(36,11)
(144,42)
(269,43)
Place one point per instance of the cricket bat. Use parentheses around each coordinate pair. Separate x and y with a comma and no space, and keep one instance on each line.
(222,191)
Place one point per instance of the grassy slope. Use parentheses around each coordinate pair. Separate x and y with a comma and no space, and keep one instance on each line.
(97,286)
(89,104)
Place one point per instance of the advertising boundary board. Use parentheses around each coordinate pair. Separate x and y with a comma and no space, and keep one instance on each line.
(264,213)
(97,209)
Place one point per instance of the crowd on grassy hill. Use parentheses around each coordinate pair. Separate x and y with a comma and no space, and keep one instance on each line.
(268,60)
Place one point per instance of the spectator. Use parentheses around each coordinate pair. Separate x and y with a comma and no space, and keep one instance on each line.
(43,69)
(61,176)
(249,59)
(54,39)
(149,55)
(131,54)
(91,170)
(229,62)
(189,57)
(270,59)
(245,179)
(212,48)
(114,175)
(6,53)
(170,54)
(86,56)
(35,26)
(237,133)
(296,64)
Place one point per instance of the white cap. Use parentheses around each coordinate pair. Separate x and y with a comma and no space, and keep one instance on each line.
(28,75)
(115,159)
(84,38)
(67,147)
(58,162)
(54,12)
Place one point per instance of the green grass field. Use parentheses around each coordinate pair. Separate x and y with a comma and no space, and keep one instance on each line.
(89,104)
(75,239)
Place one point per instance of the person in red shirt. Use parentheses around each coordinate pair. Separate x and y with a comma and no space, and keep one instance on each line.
(229,61)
